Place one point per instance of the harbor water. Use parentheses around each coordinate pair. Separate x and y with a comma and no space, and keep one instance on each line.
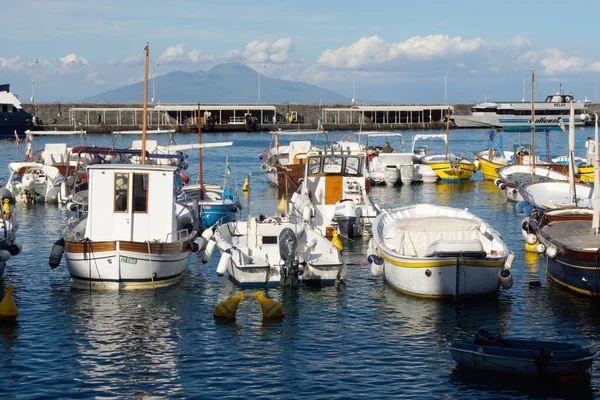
(355,340)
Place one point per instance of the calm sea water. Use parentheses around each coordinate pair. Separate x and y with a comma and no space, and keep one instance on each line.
(359,339)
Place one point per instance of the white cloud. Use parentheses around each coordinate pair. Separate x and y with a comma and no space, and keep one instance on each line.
(10,63)
(72,62)
(374,51)
(131,60)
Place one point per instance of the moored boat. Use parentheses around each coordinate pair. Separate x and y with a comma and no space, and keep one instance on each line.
(527,357)
(434,251)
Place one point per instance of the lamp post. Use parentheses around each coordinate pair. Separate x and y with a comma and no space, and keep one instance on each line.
(354,87)
(153,87)
(446,83)
(33,80)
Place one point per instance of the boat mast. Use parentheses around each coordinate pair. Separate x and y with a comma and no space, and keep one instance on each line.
(145,109)
(596,193)
(572,193)
(532,155)
(447,130)
(198,120)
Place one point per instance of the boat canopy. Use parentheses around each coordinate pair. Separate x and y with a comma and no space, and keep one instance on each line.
(428,136)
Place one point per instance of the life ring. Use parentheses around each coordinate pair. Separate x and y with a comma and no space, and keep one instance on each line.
(567,99)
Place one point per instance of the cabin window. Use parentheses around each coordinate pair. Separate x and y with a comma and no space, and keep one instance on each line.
(121,192)
(140,193)
(314,165)
(332,165)
(4,108)
(352,166)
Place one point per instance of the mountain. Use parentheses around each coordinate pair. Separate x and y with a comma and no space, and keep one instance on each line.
(224,83)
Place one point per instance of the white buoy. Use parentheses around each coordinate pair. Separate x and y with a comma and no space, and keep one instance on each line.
(210,247)
(540,248)
(207,234)
(531,238)
(307,213)
(224,262)
(201,242)
(4,256)
(506,279)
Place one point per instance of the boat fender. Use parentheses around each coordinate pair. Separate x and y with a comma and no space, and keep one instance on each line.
(207,234)
(376,264)
(208,251)
(260,157)
(56,253)
(263,166)
(531,238)
(201,242)
(514,192)
(509,260)
(4,256)
(551,251)
(540,248)
(502,186)
(14,248)
(194,247)
(224,262)
(273,170)
(184,165)
(528,209)
(576,170)
(72,206)
(506,279)
(520,206)
(497,181)
(300,181)
(307,213)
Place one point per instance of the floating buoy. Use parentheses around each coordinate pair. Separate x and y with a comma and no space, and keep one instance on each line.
(7,209)
(210,248)
(8,308)
(336,240)
(246,185)
(540,248)
(224,262)
(56,253)
(506,279)
(531,238)
(281,206)
(270,308)
(228,308)
(530,248)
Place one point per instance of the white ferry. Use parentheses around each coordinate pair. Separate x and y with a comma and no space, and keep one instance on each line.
(552,114)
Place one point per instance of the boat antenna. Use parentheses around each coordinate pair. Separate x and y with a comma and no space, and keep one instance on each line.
(145,109)
(198,120)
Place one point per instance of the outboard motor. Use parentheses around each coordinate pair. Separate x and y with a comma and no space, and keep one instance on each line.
(288,247)
(345,216)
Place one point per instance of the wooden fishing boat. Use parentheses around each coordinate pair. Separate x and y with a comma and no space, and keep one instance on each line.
(527,357)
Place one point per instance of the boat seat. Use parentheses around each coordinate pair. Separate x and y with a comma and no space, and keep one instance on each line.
(455,248)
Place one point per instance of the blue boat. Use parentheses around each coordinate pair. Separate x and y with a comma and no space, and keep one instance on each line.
(526,357)
(218,203)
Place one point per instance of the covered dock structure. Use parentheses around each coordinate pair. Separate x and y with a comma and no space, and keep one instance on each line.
(387,114)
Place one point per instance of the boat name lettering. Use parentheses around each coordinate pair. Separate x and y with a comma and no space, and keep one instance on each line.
(544,120)
(560,104)
(128,260)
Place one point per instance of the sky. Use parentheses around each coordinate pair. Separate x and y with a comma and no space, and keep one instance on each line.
(388,51)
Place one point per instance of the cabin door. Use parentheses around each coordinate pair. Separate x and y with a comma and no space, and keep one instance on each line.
(123,210)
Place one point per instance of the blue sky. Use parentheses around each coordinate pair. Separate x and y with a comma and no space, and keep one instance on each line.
(394,51)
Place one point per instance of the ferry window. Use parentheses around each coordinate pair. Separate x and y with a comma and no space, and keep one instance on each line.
(332,165)
(140,193)
(352,166)
(4,108)
(121,192)
(314,165)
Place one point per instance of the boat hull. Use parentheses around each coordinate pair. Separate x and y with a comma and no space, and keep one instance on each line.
(488,168)
(453,172)
(126,265)
(535,359)
(443,277)
(210,214)
(586,174)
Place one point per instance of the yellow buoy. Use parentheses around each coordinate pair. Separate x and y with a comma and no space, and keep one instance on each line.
(270,308)
(8,308)
(228,308)
(246,185)
(7,209)
(281,206)
(530,247)
(336,240)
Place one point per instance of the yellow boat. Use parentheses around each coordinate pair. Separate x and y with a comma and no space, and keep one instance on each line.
(451,168)
(586,174)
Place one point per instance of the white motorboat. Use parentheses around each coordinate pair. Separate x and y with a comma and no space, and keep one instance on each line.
(334,194)
(552,114)
(512,176)
(276,251)
(32,182)
(434,251)
(389,167)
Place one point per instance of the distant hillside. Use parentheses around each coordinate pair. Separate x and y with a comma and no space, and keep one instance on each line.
(224,83)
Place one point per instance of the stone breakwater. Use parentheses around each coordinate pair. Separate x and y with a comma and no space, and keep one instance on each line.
(106,118)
